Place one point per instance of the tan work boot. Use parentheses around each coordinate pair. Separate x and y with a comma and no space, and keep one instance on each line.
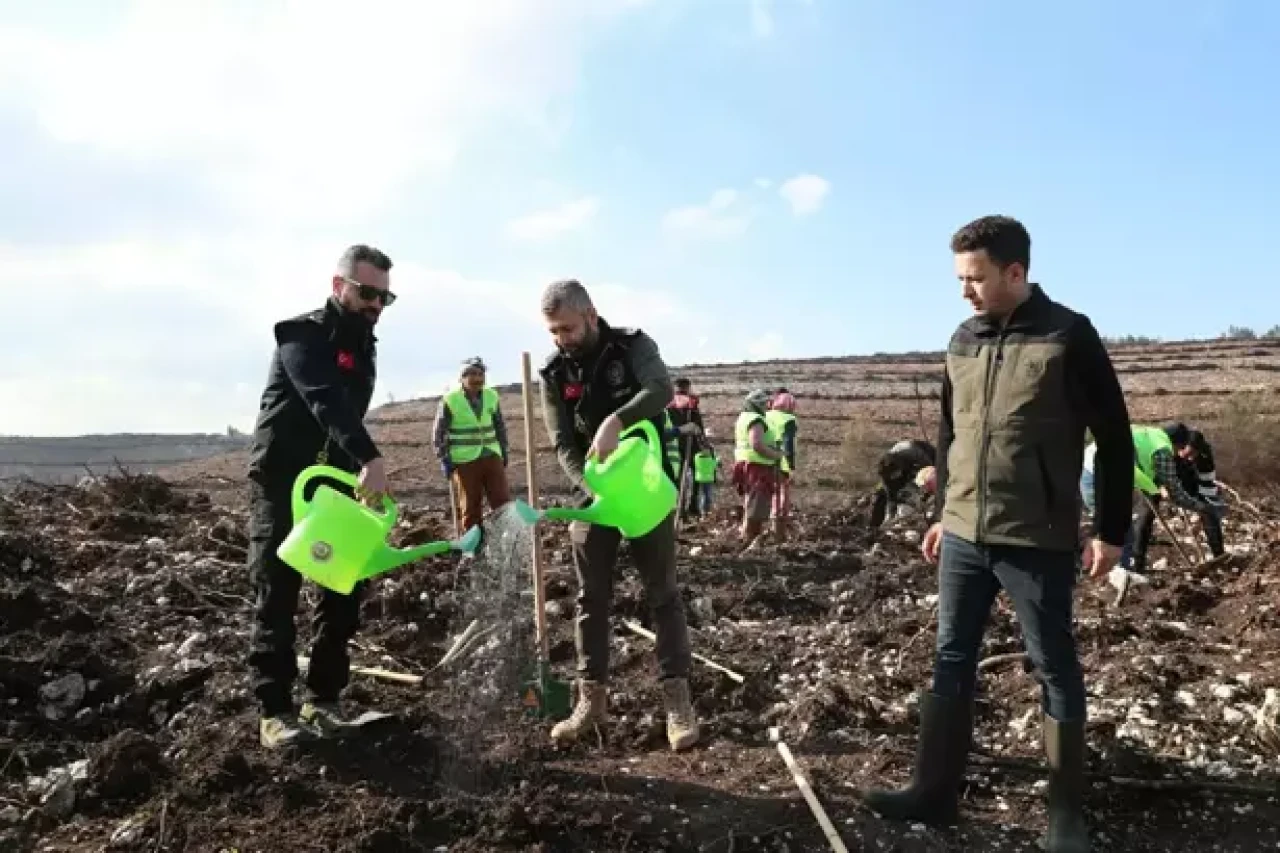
(326,718)
(281,730)
(682,723)
(591,710)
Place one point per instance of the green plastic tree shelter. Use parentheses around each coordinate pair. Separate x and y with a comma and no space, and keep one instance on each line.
(337,541)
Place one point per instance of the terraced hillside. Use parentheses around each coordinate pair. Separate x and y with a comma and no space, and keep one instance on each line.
(851,408)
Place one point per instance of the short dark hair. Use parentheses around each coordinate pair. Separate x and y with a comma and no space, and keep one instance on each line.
(1179,434)
(360,253)
(683,382)
(1003,238)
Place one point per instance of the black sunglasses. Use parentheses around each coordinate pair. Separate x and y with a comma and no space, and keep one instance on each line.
(369,293)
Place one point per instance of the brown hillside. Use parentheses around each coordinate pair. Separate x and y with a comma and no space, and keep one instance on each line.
(852,408)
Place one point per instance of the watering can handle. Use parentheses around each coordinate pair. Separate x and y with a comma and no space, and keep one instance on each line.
(642,429)
(301,504)
(645,426)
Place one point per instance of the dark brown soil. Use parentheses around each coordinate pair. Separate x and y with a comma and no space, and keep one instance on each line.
(140,592)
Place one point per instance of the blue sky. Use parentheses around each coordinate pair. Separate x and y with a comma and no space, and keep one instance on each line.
(743,178)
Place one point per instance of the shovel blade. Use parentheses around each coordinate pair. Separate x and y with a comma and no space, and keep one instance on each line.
(543,696)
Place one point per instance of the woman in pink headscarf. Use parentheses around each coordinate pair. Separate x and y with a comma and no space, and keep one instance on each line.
(781,418)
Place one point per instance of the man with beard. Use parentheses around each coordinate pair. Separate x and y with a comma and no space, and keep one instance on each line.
(599,381)
(1024,378)
(318,390)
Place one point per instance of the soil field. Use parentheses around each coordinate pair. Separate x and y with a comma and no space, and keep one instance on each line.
(127,721)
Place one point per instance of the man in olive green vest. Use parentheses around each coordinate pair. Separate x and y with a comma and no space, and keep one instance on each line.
(470,441)
(1024,378)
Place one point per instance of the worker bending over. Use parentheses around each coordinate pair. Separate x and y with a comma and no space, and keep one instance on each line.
(899,468)
(1155,467)
(1199,476)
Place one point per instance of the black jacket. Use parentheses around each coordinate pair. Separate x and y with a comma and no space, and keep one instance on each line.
(318,391)
(579,393)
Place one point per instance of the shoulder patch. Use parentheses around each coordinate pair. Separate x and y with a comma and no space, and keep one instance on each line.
(310,321)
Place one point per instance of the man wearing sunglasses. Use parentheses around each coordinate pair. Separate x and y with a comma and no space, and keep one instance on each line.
(312,411)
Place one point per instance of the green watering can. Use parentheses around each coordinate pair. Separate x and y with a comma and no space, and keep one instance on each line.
(631,490)
(337,541)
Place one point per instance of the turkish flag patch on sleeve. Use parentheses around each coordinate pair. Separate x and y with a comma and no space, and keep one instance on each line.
(573,391)
(346,360)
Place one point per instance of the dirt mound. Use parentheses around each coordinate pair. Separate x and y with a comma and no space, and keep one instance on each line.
(128,722)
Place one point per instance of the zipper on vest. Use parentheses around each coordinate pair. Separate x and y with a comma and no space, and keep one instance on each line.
(993,372)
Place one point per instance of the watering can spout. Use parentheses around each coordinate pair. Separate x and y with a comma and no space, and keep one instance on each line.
(387,558)
(590,514)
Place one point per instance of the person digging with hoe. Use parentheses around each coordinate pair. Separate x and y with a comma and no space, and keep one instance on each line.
(599,381)
(318,390)
(1023,379)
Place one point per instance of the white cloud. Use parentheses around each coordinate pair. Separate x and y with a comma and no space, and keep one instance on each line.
(153,336)
(722,217)
(300,110)
(769,345)
(549,224)
(307,122)
(805,193)
(761,18)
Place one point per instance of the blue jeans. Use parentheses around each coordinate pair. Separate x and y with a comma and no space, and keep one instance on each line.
(1040,583)
(1090,506)
(704,497)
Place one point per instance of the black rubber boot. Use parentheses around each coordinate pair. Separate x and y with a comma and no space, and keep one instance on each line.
(932,796)
(1064,748)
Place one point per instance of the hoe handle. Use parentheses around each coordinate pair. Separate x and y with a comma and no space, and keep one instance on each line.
(531,476)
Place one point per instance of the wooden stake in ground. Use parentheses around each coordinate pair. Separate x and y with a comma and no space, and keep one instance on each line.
(1194,530)
(828,829)
(684,470)
(373,672)
(1164,524)
(637,628)
(453,497)
(531,476)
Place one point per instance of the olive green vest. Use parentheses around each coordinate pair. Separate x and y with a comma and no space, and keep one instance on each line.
(1013,467)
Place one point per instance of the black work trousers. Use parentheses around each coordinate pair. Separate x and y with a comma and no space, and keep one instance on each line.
(595,558)
(276,586)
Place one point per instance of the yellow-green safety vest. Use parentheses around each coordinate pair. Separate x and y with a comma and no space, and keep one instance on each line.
(778,421)
(469,435)
(1146,441)
(704,467)
(742,450)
